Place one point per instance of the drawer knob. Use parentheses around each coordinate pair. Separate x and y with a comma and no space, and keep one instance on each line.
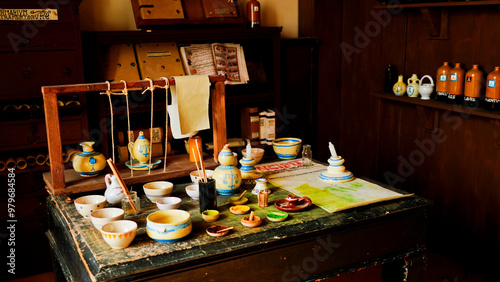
(28,72)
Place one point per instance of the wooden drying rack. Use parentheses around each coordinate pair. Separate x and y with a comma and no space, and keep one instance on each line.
(56,178)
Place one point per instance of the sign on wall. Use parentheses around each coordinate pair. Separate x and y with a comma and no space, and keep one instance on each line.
(28,14)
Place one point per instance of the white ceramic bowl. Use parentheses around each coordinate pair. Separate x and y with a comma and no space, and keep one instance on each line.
(195,177)
(106,215)
(157,189)
(193,191)
(168,203)
(87,204)
(119,234)
(257,154)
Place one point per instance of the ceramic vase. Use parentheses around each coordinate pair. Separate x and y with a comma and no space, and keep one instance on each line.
(456,91)
(227,176)
(140,149)
(492,97)
(399,87)
(89,162)
(426,89)
(260,186)
(473,86)
(412,88)
(114,192)
(442,82)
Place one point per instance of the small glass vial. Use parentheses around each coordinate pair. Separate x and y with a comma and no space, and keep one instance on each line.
(307,155)
(127,207)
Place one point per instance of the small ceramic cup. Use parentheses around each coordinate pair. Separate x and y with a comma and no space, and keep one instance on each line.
(195,177)
(119,234)
(157,189)
(168,203)
(106,215)
(193,191)
(87,204)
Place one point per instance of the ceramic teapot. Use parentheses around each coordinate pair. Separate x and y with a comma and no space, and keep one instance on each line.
(140,149)
(427,88)
(413,83)
(114,192)
(89,162)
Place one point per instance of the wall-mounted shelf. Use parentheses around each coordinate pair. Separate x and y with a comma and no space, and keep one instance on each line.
(440,4)
(439,105)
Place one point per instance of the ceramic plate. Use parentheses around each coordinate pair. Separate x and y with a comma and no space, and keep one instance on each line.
(282,205)
(137,166)
(240,209)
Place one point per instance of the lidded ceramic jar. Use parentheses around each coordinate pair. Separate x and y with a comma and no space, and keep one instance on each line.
(492,97)
(89,162)
(456,85)
(399,87)
(473,86)
(227,176)
(442,82)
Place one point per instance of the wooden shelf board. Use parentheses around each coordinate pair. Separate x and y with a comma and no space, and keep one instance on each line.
(177,166)
(440,4)
(438,105)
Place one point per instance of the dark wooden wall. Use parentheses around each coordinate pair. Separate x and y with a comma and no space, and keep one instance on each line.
(457,166)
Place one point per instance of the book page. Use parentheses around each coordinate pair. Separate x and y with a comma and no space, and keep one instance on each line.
(198,59)
(228,62)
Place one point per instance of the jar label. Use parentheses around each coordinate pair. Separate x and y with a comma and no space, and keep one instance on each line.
(490,100)
(453,77)
(469,79)
(442,77)
(491,83)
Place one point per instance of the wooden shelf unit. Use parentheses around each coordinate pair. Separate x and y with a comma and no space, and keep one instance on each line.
(439,105)
(440,4)
(61,182)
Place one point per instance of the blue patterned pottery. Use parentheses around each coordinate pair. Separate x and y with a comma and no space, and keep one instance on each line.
(287,148)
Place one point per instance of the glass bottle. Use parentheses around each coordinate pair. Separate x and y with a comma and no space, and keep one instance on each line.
(127,207)
(456,85)
(253,13)
(307,155)
(492,97)
(391,77)
(442,80)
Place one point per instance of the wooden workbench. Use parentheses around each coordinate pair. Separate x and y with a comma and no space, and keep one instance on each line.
(310,244)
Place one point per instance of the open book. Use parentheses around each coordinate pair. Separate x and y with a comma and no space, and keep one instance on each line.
(225,59)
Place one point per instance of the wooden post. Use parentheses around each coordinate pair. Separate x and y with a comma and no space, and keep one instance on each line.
(54,139)
(219,118)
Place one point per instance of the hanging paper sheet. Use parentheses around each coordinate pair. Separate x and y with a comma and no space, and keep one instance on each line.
(332,197)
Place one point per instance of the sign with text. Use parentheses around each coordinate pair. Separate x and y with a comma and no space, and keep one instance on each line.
(28,15)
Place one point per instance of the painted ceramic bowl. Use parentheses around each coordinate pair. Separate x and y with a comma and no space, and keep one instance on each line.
(168,203)
(87,204)
(193,191)
(119,234)
(195,177)
(235,201)
(210,215)
(169,225)
(215,230)
(106,215)
(277,216)
(287,148)
(157,189)
(240,209)
(257,154)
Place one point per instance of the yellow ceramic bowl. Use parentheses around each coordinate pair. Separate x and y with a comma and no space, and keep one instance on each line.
(157,189)
(287,148)
(257,154)
(210,215)
(119,234)
(106,215)
(169,225)
(87,204)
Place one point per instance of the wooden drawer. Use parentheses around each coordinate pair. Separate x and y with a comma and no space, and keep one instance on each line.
(33,134)
(27,72)
(54,36)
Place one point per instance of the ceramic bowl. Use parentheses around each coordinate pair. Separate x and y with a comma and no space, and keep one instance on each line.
(169,225)
(87,204)
(106,215)
(287,148)
(193,191)
(157,189)
(277,216)
(119,234)
(234,201)
(214,230)
(195,177)
(240,209)
(168,203)
(210,215)
(253,223)
(257,154)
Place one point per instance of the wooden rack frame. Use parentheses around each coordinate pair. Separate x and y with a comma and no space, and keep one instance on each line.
(56,179)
